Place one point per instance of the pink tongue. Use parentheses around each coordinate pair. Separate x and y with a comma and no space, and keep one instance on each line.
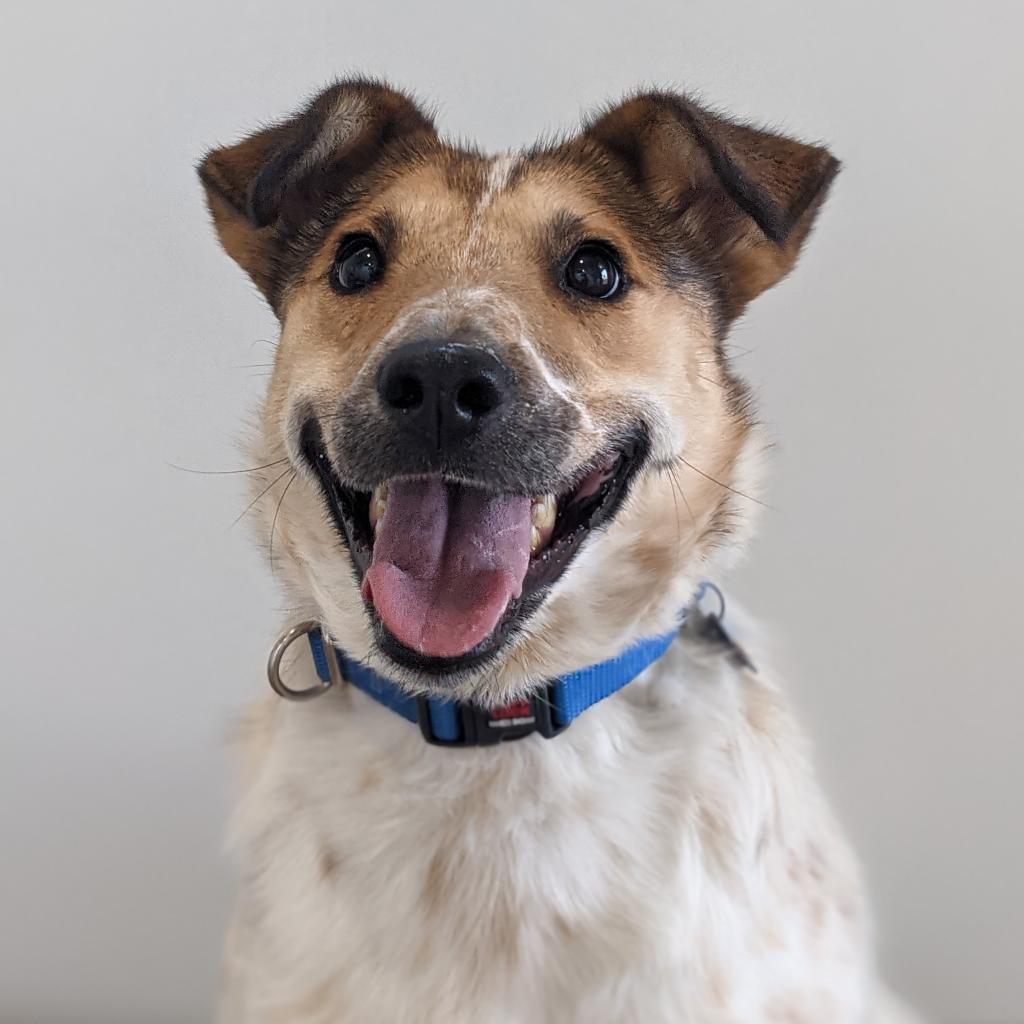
(446,562)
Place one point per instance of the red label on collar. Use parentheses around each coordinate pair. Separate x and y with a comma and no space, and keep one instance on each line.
(518,713)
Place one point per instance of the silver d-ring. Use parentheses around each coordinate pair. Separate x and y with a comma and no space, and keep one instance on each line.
(283,642)
(702,591)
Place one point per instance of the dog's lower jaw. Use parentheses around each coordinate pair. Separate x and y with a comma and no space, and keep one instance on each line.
(656,862)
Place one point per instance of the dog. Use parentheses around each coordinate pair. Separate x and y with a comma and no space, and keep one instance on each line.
(502,461)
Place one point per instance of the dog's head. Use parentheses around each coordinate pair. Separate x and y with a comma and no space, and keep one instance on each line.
(515,440)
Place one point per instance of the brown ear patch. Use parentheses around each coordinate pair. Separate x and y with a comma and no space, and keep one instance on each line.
(745,198)
(271,186)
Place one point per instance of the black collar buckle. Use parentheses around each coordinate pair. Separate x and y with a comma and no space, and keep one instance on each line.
(485,727)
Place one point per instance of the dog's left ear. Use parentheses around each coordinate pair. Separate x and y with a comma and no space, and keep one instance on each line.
(743,197)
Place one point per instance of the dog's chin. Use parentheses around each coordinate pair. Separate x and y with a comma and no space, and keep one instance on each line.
(585,503)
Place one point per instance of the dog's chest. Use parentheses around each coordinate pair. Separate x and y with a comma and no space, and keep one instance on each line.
(543,880)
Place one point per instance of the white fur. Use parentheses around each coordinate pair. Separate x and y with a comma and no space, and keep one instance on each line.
(497,180)
(668,858)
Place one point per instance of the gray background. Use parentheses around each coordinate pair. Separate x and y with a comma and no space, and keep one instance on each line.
(136,621)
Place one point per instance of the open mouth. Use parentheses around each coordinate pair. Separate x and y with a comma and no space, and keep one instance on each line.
(449,570)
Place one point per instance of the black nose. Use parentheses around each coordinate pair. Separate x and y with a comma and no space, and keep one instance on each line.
(444,391)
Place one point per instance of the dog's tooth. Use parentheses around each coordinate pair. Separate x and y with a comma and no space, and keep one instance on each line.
(378,503)
(543,512)
(542,518)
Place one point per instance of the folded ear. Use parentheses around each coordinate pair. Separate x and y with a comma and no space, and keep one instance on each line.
(264,189)
(744,197)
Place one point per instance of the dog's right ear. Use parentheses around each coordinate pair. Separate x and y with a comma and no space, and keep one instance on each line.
(266,187)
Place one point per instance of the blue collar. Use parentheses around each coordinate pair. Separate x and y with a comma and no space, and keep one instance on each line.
(449,723)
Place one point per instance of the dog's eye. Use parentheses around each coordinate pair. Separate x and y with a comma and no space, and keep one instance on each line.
(358,265)
(593,271)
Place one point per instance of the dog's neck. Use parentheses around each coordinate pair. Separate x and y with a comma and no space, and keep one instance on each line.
(444,722)
(673,720)
(547,709)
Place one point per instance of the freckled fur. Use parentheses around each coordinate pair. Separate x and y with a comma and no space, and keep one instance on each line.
(669,858)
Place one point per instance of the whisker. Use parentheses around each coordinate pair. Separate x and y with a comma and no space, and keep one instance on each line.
(739,350)
(542,700)
(225,472)
(726,487)
(675,502)
(277,512)
(677,488)
(254,501)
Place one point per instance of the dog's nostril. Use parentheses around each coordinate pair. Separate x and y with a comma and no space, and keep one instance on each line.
(477,397)
(439,392)
(404,391)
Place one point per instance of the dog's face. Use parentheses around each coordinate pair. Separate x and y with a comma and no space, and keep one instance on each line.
(501,386)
